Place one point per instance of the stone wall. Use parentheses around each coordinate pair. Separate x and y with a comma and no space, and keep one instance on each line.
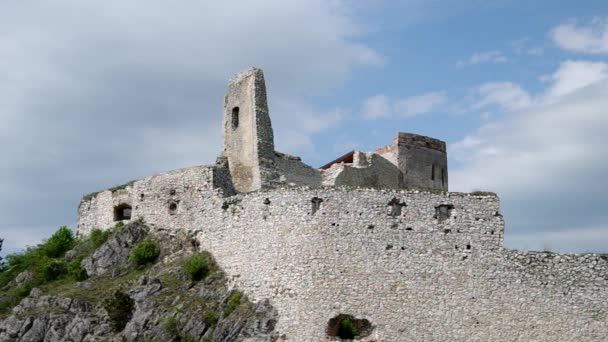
(368,170)
(419,266)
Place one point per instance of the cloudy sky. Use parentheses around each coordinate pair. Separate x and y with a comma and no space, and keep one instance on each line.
(96,93)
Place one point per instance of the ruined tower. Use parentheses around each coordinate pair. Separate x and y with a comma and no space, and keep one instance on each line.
(248,137)
(422,160)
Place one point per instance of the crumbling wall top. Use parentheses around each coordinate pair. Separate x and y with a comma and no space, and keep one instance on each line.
(419,140)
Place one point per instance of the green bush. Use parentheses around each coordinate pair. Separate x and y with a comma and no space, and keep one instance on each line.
(206,339)
(76,271)
(190,339)
(144,252)
(54,270)
(98,236)
(347,329)
(234,300)
(170,326)
(199,266)
(120,310)
(59,243)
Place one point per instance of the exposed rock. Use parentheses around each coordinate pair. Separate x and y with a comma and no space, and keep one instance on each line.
(163,293)
(23,277)
(115,251)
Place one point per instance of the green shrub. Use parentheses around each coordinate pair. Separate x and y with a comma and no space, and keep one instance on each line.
(347,329)
(59,243)
(120,310)
(54,270)
(98,237)
(190,339)
(234,300)
(170,326)
(76,271)
(144,252)
(210,318)
(199,266)
(206,339)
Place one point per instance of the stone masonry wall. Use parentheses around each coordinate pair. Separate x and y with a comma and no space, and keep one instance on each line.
(419,266)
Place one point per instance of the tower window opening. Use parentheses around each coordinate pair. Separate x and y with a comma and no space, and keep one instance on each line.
(442,177)
(235,117)
(433,172)
(122,212)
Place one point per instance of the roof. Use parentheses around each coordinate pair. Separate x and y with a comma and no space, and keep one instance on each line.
(347,158)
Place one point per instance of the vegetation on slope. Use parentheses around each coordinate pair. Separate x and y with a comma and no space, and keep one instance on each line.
(180,296)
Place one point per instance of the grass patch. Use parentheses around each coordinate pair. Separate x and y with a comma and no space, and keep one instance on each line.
(94,290)
(210,318)
(170,326)
(234,300)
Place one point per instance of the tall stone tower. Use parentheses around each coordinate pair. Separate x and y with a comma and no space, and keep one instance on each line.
(248,137)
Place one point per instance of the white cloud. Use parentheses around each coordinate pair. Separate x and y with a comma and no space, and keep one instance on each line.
(420,104)
(484,57)
(546,159)
(525,46)
(573,75)
(377,106)
(382,106)
(506,95)
(302,121)
(590,37)
(556,132)
(99,93)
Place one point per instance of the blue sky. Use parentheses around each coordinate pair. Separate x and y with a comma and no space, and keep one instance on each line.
(93,94)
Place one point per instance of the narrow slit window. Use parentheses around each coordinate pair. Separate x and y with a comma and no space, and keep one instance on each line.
(235,117)
(442,177)
(433,172)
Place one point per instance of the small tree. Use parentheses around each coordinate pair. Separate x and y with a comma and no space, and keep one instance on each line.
(1,260)
(59,243)
(120,310)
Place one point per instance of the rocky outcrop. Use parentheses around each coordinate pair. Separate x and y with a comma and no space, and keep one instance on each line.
(168,306)
(115,251)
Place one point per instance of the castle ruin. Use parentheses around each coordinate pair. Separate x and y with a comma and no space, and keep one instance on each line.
(375,236)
